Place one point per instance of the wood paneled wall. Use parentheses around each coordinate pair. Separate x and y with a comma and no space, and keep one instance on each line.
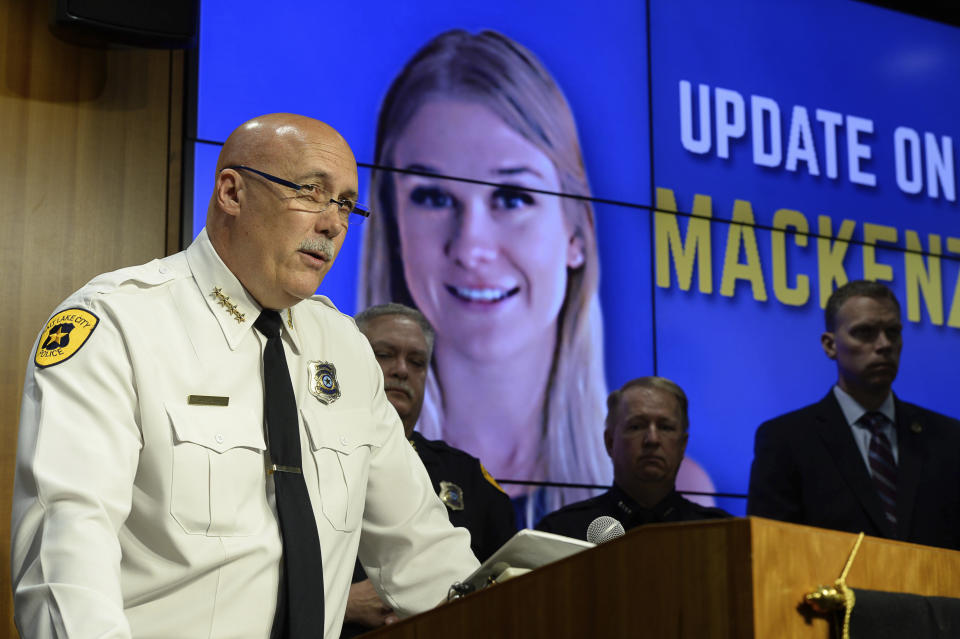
(90,156)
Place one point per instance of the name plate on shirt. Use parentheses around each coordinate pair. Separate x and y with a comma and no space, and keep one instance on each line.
(207,400)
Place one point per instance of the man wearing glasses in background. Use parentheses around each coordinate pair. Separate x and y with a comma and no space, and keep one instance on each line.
(195,430)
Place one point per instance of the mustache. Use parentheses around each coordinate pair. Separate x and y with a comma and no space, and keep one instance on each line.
(321,246)
(399,386)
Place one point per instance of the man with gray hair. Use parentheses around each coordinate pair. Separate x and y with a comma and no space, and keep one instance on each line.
(646,434)
(402,342)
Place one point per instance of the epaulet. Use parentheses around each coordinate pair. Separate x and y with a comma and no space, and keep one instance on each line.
(441,446)
(153,273)
(585,504)
(75,319)
(327,306)
(566,516)
(326,301)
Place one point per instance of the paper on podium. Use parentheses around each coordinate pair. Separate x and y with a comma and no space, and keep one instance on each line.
(527,549)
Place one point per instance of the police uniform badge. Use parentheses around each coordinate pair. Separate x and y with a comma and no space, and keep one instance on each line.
(323,382)
(451,495)
(63,336)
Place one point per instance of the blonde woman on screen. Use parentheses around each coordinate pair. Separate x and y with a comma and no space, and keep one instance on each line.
(506,273)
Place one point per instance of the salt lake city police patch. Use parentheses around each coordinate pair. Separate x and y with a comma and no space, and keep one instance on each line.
(323,381)
(63,336)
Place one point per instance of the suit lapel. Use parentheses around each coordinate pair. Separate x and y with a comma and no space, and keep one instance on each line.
(909,462)
(833,429)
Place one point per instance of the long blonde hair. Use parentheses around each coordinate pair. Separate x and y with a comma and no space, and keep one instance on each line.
(491,69)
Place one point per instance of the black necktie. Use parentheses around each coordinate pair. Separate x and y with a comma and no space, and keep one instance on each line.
(300,609)
(883,467)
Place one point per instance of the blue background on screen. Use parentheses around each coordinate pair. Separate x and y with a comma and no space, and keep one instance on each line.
(744,361)
(336,63)
(740,360)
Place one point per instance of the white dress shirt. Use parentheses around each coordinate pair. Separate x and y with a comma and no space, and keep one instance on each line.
(138,512)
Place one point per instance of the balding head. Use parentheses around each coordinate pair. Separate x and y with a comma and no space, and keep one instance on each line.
(263,231)
(271,138)
(274,140)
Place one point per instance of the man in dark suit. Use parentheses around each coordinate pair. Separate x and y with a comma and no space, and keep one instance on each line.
(861,459)
(646,437)
(402,341)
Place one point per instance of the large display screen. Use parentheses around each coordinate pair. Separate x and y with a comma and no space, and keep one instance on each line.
(740,160)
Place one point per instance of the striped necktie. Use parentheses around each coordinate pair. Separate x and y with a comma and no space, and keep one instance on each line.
(883,466)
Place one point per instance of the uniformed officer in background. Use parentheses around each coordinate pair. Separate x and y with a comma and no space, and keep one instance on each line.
(646,433)
(402,341)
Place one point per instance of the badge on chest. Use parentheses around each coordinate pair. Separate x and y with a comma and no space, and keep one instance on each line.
(323,381)
(451,495)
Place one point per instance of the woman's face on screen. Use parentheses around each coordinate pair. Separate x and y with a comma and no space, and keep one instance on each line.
(486,264)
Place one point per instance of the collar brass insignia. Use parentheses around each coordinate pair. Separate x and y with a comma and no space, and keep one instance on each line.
(224,301)
(323,381)
(451,495)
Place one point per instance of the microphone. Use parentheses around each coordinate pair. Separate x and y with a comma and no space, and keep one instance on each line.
(603,529)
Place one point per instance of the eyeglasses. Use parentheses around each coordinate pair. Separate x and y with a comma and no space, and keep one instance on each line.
(315,198)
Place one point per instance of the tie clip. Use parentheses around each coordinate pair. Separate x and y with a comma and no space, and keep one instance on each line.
(207,400)
(277,468)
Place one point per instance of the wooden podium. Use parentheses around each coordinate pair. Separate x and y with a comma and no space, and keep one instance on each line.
(735,578)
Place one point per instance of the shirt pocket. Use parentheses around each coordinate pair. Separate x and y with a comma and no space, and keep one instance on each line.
(341,443)
(217,484)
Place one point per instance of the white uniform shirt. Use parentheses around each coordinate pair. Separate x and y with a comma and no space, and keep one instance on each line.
(139,513)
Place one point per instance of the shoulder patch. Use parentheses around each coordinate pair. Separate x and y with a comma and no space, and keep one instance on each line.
(489,478)
(63,336)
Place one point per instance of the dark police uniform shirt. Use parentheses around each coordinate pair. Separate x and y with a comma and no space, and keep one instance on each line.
(474,501)
(574,519)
